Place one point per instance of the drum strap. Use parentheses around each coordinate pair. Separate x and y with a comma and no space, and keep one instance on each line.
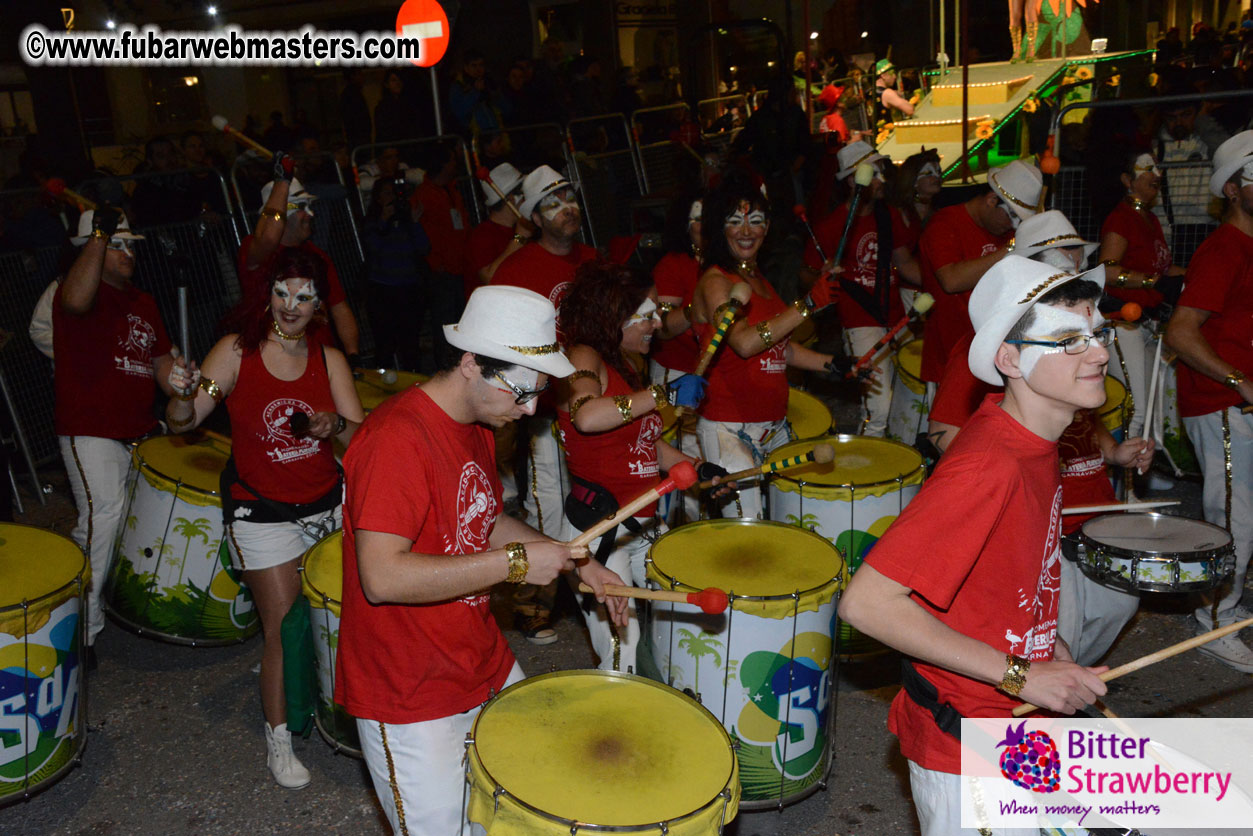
(921,691)
(587,504)
(266,510)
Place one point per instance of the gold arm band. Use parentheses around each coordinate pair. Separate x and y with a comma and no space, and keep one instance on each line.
(1149,282)
(278,216)
(578,404)
(518,564)
(665,307)
(580,373)
(1121,281)
(212,389)
(1234,379)
(802,308)
(1109,262)
(623,402)
(763,331)
(659,394)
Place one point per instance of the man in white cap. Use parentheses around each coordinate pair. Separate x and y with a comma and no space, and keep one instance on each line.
(546,266)
(1211,331)
(503,233)
(424,542)
(879,248)
(978,618)
(110,347)
(286,220)
(959,245)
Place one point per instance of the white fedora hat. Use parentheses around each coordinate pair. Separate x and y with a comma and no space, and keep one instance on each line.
(506,178)
(512,324)
(1046,231)
(853,155)
(1230,157)
(84,229)
(1018,184)
(295,194)
(537,185)
(1005,292)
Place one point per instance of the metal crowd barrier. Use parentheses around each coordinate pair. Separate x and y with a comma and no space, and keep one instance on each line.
(607,172)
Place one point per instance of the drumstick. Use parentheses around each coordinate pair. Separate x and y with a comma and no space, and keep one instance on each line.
(220,123)
(799,211)
(56,187)
(682,476)
(821,453)
(1119,506)
(486,176)
(1148,410)
(1157,656)
(740,294)
(922,304)
(711,599)
(862,177)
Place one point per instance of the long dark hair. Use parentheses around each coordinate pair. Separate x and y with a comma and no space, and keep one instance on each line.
(721,202)
(251,318)
(599,302)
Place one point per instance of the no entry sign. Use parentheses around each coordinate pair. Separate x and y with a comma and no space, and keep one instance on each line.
(426,21)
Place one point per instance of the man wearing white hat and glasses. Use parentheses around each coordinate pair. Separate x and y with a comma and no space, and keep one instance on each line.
(879,248)
(978,617)
(546,266)
(1210,330)
(110,347)
(424,542)
(502,234)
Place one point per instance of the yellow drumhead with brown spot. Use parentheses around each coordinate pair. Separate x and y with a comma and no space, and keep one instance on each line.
(599,748)
(807,414)
(35,564)
(196,463)
(373,390)
(908,362)
(323,577)
(863,466)
(1115,406)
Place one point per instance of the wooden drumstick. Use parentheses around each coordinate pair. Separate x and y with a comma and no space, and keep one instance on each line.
(821,453)
(740,294)
(682,476)
(1119,506)
(1157,656)
(710,599)
(486,176)
(922,304)
(56,187)
(220,123)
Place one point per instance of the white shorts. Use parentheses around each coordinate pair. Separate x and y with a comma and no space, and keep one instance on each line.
(265,545)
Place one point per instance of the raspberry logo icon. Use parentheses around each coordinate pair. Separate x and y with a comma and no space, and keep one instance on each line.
(1030,759)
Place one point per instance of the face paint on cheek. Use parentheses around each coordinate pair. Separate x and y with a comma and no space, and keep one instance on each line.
(735,219)
(1246,174)
(554,206)
(291,300)
(928,170)
(1145,162)
(756,218)
(1051,320)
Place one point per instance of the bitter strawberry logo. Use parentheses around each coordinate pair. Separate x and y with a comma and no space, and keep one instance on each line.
(1030,759)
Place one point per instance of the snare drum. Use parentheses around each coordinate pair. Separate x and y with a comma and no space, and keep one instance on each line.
(850,501)
(373,390)
(808,415)
(41,672)
(1156,552)
(1113,412)
(764,667)
(172,576)
(908,414)
(602,751)
(322,581)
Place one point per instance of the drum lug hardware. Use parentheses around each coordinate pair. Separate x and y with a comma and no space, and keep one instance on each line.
(664,828)
(47,489)
(499,791)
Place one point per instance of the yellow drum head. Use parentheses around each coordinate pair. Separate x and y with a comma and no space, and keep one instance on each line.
(35,563)
(1115,403)
(604,748)
(323,577)
(372,389)
(807,414)
(869,466)
(197,464)
(750,558)
(909,365)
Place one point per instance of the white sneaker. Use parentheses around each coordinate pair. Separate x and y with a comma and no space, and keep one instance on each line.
(286,768)
(1231,652)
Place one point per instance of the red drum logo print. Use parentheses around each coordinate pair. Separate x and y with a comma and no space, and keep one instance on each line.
(476,509)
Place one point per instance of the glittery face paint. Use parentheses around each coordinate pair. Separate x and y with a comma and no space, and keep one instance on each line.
(755,218)
(1053,323)
(1063,258)
(304,292)
(1146,164)
(525,379)
(554,204)
(928,170)
(300,206)
(646,311)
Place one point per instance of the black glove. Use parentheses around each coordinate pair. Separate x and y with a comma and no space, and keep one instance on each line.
(708,470)
(1170,287)
(839,367)
(106,220)
(284,167)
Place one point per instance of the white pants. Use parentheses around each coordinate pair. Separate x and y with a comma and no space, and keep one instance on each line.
(627,560)
(739,446)
(1136,344)
(98,469)
(420,767)
(1090,615)
(937,799)
(1206,432)
(876,393)
(543,497)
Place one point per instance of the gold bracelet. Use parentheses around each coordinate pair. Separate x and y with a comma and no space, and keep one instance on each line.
(1015,677)
(687,312)
(518,564)
(100,235)
(623,402)
(1234,379)
(665,308)
(189,396)
(518,237)
(1009,247)
(763,331)
(1149,282)
(1121,281)
(659,395)
(212,389)
(578,404)
(1109,262)
(275,214)
(179,425)
(578,373)
(802,308)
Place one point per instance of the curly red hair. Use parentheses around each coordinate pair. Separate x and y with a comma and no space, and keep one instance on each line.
(600,300)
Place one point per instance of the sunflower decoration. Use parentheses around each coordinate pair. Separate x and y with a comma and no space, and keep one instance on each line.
(983,129)
(1083,73)
(1152,79)
(1031,104)
(885,133)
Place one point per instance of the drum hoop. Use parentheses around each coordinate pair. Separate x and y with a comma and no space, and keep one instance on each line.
(305,577)
(904,478)
(144,464)
(1191,556)
(1101,571)
(472,750)
(732,596)
(77,578)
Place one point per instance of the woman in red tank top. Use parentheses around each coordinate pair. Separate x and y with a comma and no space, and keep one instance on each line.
(744,417)
(611,426)
(286,402)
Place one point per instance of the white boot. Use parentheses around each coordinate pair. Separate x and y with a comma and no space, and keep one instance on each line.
(287,769)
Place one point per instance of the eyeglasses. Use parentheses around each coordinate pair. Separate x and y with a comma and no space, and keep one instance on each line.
(1077,344)
(524,396)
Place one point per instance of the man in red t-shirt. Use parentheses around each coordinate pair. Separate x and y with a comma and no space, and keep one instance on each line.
(879,247)
(545,266)
(110,346)
(502,234)
(437,202)
(958,246)
(286,220)
(419,650)
(978,617)
(1212,332)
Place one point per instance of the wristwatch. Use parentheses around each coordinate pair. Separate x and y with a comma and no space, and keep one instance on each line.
(1234,379)
(1015,677)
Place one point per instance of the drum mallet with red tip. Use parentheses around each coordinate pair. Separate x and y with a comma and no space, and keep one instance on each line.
(220,123)
(821,453)
(922,304)
(740,294)
(681,477)
(862,178)
(486,176)
(56,187)
(799,211)
(711,599)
